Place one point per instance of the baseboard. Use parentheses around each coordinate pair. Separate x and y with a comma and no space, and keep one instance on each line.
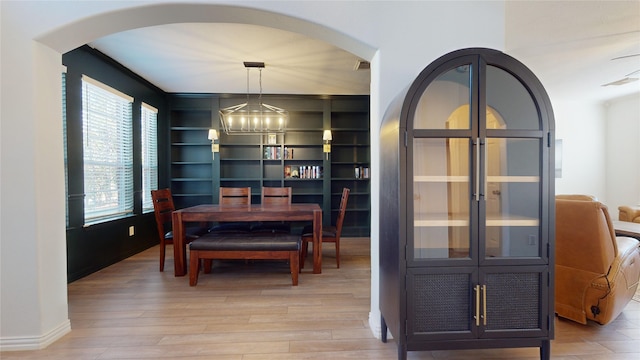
(376,327)
(35,342)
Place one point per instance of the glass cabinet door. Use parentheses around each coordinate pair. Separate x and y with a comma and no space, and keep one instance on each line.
(512,198)
(476,167)
(441,168)
(441,204)
(512,168)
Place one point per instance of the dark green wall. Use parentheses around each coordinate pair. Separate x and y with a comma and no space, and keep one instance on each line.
(92,248)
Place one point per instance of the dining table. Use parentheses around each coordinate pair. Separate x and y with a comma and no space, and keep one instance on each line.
(244,213)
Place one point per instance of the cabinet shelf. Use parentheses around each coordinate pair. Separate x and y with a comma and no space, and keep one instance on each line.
(514,179)
(190,194)
(189,128)
(440,220)
(443,178)
(350,163)
(240,179)
(191,179)
(208,144)
(349,179)
(240,159)
(191,163)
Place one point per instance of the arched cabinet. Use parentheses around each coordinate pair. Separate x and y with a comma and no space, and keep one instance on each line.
(467,209)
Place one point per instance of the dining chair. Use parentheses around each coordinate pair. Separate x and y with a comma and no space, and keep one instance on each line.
(330,233)
(163,208)
(274,196)
(233,196)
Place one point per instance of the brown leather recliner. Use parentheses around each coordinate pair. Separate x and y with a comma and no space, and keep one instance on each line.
(596,272)
(628,213)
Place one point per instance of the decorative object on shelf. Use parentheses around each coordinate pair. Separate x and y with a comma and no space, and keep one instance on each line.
(213,136)
(326,137)
(256,118)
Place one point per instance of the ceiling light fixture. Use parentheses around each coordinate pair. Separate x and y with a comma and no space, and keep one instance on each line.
(256,118)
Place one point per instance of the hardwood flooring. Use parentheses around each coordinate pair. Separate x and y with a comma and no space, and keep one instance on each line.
(250,311)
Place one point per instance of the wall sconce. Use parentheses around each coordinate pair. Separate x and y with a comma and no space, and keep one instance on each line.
(213,136)
(326,137)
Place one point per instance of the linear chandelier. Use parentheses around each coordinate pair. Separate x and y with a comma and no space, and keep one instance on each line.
(256,118)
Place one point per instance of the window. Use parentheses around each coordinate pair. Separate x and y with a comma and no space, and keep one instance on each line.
(107,152)
(149,141)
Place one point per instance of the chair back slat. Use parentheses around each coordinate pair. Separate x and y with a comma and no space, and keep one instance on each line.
(276,195)
(343,210)
(235,196)
(163,206)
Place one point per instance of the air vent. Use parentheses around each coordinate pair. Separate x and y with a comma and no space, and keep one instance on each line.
(362,65)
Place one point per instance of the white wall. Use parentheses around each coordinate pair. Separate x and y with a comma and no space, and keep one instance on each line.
(622,120)
(581,127)
(400,37)
(601,150)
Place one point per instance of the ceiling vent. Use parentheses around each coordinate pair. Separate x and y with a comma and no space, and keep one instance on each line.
(362,65)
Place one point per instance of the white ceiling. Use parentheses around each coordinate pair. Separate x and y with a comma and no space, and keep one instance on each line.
(568,45)
(208,58)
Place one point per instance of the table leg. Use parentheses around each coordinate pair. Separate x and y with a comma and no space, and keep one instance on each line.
(179,255)
(317,242)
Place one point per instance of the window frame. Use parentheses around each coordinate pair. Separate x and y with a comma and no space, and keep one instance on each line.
(108,170)
(149,153)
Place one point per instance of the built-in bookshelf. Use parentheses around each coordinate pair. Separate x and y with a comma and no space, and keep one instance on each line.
(294,158)
(191,171)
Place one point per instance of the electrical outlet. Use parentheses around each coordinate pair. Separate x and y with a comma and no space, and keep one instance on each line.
(533,240)
(132,230)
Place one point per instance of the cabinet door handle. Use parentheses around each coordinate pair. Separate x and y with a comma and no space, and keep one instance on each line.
(477,315)
(477,179)
(484,305)
(485,179)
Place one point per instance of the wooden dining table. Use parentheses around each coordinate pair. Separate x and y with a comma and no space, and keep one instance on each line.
(247,213)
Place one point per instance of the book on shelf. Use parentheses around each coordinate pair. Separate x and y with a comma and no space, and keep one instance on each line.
(303,171)
(272,153)
(288,153)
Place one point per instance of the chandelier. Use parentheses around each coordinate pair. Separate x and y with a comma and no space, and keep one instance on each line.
(253,118)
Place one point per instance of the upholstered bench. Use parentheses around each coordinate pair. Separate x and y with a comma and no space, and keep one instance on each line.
(263,246)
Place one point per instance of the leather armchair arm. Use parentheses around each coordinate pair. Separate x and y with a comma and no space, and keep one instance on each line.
(628,213)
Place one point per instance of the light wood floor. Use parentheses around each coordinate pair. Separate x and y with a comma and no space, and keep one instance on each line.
(250,311)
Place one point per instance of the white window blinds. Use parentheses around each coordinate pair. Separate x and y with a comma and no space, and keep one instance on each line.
(108,152)
(149,141)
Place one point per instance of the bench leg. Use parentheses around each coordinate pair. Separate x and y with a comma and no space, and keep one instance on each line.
(304,247)
(294,264)
(194,267)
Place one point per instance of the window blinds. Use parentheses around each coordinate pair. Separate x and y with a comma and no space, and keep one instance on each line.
(149,141)
(107,151)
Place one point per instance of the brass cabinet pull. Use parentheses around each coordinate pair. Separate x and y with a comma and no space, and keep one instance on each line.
(484,305)
(477,179)
(485,145)
(477,315)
